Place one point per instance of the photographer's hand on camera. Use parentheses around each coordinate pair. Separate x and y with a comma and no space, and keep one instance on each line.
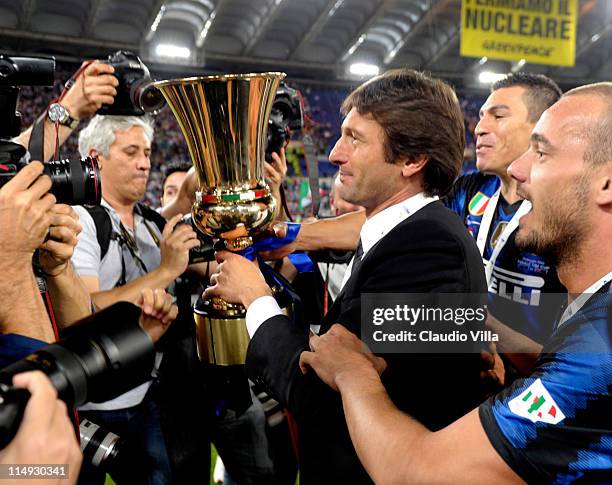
(95,87)
(24,221)
(45,436)
(57,249)
(25,204)
(275,172)
(175,245)
(70,297)
(158,312)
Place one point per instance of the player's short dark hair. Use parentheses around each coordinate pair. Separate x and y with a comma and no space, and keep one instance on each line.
(177,166)
(541,92)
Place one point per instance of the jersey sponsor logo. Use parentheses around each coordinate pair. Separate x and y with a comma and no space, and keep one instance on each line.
(517,287)
(478,204)
(537,405)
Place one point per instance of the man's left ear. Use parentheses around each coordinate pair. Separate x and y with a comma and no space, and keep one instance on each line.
(603,188)
(603,194)
(412,166)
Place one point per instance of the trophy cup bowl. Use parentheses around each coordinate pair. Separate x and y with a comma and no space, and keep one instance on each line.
(224,120)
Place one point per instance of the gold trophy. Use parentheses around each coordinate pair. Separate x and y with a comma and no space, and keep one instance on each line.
(225,121)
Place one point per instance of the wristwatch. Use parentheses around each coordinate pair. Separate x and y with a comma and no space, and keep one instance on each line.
(59,114)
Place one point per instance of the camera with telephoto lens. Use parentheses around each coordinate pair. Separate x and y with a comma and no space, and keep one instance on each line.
(75,182)
(113,454)
(97,359)
(286,114)
(136,95)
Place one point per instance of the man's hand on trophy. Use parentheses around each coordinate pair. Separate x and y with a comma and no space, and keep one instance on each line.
(175,245)
(93,88)
(61,239)
(158,312)
(279,230)
(237,280)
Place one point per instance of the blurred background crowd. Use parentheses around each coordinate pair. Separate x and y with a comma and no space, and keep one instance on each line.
(323,120)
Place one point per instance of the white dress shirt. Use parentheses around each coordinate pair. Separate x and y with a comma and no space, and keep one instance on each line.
(372,231)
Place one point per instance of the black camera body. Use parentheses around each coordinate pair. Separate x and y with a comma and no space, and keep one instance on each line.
(287,114)
(206,250)
(136,95)
(74,182)
(26,71)
(15,72)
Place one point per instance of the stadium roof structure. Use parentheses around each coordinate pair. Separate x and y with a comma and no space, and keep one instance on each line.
(309,39)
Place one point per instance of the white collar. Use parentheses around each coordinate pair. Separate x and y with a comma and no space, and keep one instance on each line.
(380,224)
(581,299)
(104,203)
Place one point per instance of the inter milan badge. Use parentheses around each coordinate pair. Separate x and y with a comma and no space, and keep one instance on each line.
(478,204)
(536,405)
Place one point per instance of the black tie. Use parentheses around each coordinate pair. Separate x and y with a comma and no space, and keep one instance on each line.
(357,258)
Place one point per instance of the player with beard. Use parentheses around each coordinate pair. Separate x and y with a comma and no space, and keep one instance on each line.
(523,287)
(554,426)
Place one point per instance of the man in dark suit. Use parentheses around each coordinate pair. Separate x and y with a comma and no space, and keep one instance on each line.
(401,147)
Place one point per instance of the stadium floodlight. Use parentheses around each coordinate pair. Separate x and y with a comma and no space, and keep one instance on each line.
(364,69)
(171,50)
(488,77)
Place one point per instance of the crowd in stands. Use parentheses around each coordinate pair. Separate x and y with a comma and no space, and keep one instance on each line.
(322,121)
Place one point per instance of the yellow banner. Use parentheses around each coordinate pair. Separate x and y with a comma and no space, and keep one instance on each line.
(539,31)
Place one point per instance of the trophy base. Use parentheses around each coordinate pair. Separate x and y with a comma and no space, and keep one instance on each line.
(221,336)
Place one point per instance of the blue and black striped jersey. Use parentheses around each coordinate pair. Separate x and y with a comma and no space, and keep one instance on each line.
(556,425)
(524,292)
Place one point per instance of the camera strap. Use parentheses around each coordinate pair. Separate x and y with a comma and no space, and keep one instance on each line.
(43,288)
(37,138)
(312,166)
(127,240)
(105,232)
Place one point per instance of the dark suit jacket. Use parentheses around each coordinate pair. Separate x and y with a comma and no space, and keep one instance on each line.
(431,251)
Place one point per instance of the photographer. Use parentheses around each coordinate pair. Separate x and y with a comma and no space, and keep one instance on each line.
(46,435)
(123,248)
(94,85)
(25,205)
(69,296)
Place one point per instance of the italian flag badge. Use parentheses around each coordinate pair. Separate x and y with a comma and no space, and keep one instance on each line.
(536,404)
(478,204)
